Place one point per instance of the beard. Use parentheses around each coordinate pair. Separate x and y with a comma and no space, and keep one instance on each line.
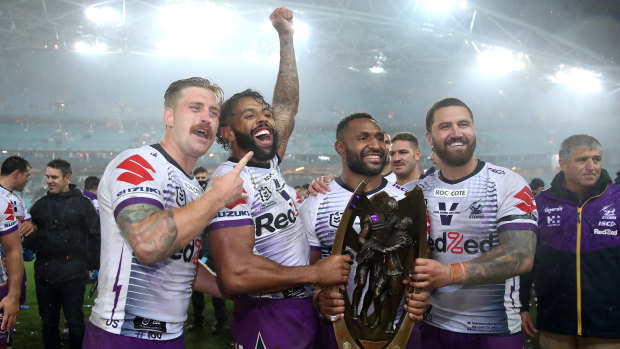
(357,165)
(455,158)
(248,143)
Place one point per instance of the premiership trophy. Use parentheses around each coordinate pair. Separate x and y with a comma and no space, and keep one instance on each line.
(392,234)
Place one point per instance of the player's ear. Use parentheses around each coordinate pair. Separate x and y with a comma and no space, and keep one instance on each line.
(339,147)
(168,117)
(227,133)
(429,139)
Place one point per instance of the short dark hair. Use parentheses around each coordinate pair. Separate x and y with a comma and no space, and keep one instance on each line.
(62,165)
(176,87)
(536,183)
(344,123)
(200,169)
(446,102)
(578,141)
(406,136)
(228,110)
(13,163)
(91,182)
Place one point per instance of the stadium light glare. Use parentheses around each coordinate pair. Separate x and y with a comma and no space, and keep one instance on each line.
(101,15)
(84,47)
(377,70)
(439,6)
(578,79)
(500,61)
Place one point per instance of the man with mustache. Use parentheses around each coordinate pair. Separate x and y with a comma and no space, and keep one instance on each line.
(361,146)
(260,252)
(482,224)
(576,270)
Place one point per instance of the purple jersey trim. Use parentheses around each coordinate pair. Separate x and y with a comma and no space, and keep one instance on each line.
(231,224)
(7,232)
(517,226)
(315,248)
(137,200)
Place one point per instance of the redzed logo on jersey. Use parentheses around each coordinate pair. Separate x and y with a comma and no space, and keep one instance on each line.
(10,214)
(238,202)
(138,167)
(527,200)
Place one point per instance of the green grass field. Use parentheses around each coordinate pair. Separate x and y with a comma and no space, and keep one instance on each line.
(27,334)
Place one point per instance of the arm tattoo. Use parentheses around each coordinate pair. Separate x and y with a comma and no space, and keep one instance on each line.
(286,92)
(515,252)
(160,234)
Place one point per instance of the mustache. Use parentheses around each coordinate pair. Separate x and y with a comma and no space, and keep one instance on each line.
(205,128)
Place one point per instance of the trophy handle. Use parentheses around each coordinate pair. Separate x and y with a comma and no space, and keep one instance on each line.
(344,338)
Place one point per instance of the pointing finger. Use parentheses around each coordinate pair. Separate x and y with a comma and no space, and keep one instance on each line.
(243,161)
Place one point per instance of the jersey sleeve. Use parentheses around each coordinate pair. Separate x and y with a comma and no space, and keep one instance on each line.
(238,213)
(308,213)
(9,223)
(137,177)
(516,206)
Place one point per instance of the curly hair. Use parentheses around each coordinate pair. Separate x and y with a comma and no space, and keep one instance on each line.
(228,110)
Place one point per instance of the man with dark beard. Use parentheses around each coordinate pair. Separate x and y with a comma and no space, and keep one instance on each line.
(361,146)
(482,223)
(260,252)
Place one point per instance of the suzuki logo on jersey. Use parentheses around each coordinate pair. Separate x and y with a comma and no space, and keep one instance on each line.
(264,194)
(138,170)
(138,189)
(608,212)
(267,221)
(448,193)
(10,214)
(446,215)
(334,219)
(553,221)
(527,200)
(238,202)
(454,242)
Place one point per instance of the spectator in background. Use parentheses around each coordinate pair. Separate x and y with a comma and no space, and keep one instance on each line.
(90,190)
(576,270)
(202,176)
(537,185)
(66,243)
(405,158)
(387,169)
(617,180)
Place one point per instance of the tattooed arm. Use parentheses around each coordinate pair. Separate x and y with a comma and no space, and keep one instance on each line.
(154,234)
(286,92)
(514,256)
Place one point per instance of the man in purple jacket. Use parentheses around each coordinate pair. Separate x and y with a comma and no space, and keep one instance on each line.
(577,265)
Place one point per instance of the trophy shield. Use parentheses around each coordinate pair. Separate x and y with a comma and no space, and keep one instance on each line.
(392,235)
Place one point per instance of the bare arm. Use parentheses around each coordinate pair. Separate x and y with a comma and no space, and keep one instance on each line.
(155,234)
(286,92)
(241,271)
(14,270)
(514,256)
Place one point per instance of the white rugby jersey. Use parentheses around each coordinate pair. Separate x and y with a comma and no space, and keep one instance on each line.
(466,217)
(143,301)
(8,225)
(321,216)
(271,209)
(19,207)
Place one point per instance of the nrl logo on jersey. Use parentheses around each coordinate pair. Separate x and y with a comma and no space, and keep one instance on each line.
(334,219)
(608,212)
(264,193)
(553,221)
(181,197)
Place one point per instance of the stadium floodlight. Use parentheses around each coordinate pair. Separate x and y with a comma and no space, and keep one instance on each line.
(101,15)
(500,61)
(84,47)
(577,79)
(376,69)
(440,6)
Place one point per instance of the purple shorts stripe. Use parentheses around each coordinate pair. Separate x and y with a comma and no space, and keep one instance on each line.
(518,226)
(275,323)
(315,248)
(96,338)
(433,337)
(137,200)
(4,336)
(230,224)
